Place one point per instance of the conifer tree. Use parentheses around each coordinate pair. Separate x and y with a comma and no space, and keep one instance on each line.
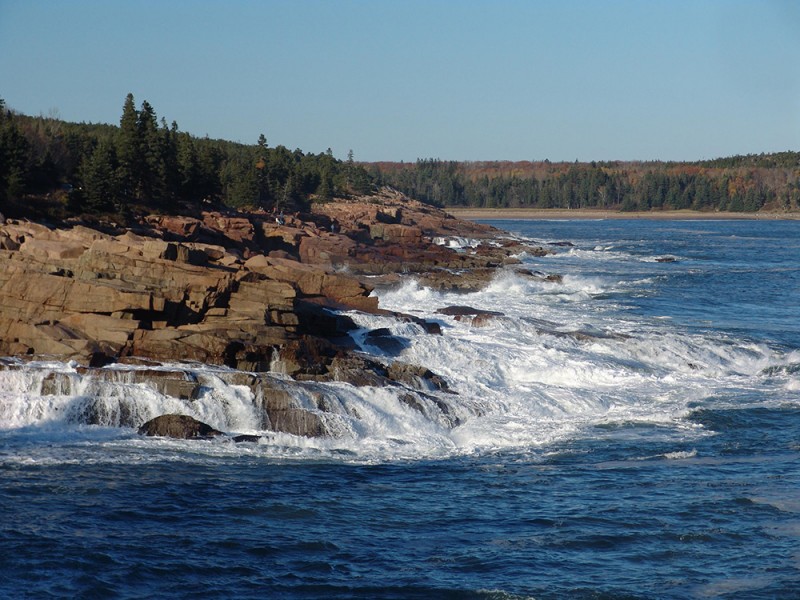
(263,189)
(14,154)
(152,173)
(100,180)
(210,159)
(189,174)
(325,189)
(169,170)
(129,149)
(290,198)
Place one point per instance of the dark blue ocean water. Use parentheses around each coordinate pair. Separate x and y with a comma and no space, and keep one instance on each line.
(701,502)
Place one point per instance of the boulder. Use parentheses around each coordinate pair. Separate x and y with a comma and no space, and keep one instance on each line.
(462,281)
(179,226)
(246,438)
(476,317)
(326,249)
(539,276)
(383,339)
(308,355)
(420,378)
(178,426)
(238,229)
(464,311)
(283,412)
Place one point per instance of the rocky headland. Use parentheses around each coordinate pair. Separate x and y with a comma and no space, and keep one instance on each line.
(265,295)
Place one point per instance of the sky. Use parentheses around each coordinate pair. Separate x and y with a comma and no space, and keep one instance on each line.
(395,80)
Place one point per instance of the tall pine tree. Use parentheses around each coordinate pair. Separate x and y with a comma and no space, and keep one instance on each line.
(129,150)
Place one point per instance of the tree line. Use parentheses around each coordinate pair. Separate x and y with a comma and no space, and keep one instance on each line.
(146,164)
(746,183)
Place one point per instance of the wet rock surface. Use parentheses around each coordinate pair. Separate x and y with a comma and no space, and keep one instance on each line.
(178,426)
(476,317)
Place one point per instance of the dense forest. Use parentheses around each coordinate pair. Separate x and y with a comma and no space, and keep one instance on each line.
(57,168)
(741,183)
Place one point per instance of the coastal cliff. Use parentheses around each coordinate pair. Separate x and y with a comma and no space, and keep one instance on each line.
(258,293)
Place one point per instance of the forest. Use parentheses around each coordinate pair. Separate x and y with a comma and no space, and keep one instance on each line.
(741,183)
(53,168)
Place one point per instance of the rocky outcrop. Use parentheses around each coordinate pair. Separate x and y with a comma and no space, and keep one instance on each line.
(241,289)
(75,293)
(221,289)
(393,234)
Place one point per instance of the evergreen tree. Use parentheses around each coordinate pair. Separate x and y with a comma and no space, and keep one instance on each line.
(263,190)
(349,170)
(100,181)
(171,173)
(325,189)
(360,182)
(290,198)
(210,159)
(239,180)
(189,175)
(129,150)
(14,155)
(152,174)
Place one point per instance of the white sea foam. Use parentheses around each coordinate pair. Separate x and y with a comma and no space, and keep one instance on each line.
(598,253)
(681,454)
(539,362)
(456,242)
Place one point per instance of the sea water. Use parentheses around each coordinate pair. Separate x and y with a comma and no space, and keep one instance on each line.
(630,430)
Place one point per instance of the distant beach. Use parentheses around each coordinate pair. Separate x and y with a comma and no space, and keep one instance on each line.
(589,213)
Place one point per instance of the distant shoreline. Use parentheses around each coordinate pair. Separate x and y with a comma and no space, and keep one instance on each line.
(590,213)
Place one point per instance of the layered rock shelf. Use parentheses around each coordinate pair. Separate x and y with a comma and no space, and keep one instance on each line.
(251,291)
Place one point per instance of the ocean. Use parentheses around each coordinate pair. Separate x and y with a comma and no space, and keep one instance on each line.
(628,430)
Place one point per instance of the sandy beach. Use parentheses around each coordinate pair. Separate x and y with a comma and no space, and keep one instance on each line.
(559,214)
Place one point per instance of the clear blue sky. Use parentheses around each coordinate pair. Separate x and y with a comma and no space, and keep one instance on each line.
(399,80)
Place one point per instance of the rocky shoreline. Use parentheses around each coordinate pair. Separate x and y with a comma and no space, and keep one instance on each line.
(560,214)
(262,295)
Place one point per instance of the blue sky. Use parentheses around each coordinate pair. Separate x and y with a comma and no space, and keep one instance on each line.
(401,80)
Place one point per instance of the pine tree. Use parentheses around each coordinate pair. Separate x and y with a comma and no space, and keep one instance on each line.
(14,153)
(129,150)
(189,174)
(210,159)
(152,174)
(263,188)
(169,170)
(325,188)
(100,180)
(290,198)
